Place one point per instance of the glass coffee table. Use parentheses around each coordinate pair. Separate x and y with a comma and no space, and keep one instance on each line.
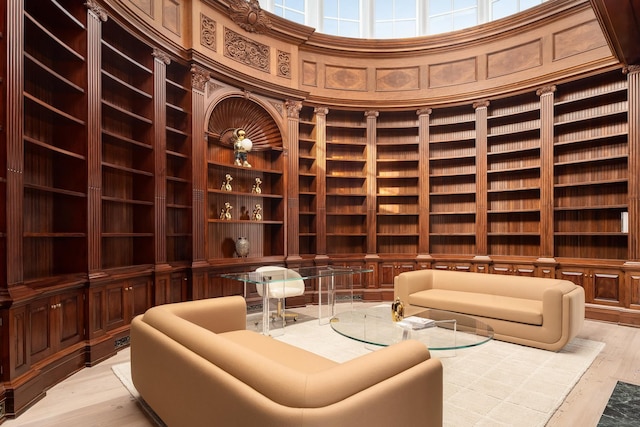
(440,330)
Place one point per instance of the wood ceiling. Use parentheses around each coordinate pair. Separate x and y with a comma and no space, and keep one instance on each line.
(620,20)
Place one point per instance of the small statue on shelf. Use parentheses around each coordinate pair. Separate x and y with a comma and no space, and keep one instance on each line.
(225,213)
(257,213)
(226,184)
(256,187)
(241,146)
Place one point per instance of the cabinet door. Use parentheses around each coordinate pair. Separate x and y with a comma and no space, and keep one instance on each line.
(389,271)
(67,319)
(137,297)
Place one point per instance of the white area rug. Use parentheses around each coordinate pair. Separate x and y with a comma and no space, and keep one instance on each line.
(494,384)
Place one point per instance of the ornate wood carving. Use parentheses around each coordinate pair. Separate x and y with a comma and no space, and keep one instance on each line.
(199,78)
(293,108)
(246,51)
(96,9)
(249,16)
(161,56)
(284,64)
(207,32)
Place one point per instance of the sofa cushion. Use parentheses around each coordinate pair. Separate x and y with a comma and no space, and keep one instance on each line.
(478,304)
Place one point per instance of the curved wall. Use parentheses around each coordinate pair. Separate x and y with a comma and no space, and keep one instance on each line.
(555,41)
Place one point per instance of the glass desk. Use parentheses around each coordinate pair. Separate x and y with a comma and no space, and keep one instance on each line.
(448,331)
(329,279)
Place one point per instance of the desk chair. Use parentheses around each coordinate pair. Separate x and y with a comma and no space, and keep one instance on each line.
(292,288)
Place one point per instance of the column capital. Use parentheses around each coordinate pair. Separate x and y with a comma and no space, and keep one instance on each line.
(424,111)
(293,108)
(481,104)
(545,90)
(321,111)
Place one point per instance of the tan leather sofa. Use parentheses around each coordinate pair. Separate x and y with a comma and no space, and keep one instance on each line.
(196,365)
(533,311)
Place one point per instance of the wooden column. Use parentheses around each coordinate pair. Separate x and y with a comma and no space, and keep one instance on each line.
(481,178)
(199,78)
(321,177)
(292,153)
(96,15)
(372,120)
(546,171)
(15,141)
(633,96)
(160,62)
(424,115)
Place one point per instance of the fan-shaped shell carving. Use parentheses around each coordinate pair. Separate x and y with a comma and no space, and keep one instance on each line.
(242,113)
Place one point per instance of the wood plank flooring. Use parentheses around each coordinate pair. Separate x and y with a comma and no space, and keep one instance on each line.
(94,397)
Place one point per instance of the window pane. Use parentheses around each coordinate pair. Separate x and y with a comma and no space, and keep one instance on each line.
(440,24)
(383,9)
(330,26)
(465,19)
(502,8)
(349,29)
(405,29)
(405,9)
(383,30)
(330,8)
(437,7)
(526,4)
(294,16)
(463,4)
(296,4)
(350,10)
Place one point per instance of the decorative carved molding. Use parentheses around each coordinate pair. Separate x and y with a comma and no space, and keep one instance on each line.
(246,51)
(545,90)
(284,64)
(207,32)
(481,104)
(199,78)
(371,113)
(161,56)
(293,108)
(423,111)
(321,111)
(249,16)
(96,9)
(631,69)
(278,106)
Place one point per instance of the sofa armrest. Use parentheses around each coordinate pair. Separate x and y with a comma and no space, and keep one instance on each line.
(217,315)
(411,282)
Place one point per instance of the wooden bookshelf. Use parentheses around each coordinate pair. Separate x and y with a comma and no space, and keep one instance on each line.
(346,182)
(308,181)
(55,108)
(398,183)
(178,151)
(127,150)
(452,181)
(266,236)
(513,176)
(590,167)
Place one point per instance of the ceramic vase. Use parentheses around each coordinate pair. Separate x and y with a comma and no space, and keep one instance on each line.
(242,247)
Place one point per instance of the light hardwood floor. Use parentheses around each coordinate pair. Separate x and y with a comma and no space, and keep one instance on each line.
(94,397)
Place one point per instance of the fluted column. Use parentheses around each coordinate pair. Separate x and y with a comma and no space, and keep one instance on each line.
(96,15)
(199,78)
(481,177)
(546,171)
(292,184)
(424,116)
(160,62)
(321,177)
(633,96)
(372,120)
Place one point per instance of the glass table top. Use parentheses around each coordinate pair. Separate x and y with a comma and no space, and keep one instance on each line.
(271,276)
(449,331)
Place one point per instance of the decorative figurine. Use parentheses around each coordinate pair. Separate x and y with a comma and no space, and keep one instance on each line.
(225,213)
(241,147)
(397,310)
(256,187)
(257,213)
(226,185)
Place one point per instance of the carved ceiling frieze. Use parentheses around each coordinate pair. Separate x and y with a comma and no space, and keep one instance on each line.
(284,64)
(207,32)
(246,51)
